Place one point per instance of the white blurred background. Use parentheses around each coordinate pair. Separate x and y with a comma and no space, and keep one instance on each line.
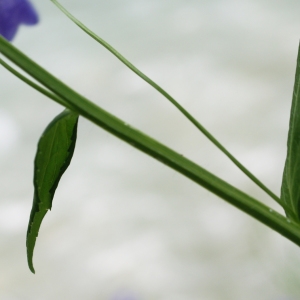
(123,226)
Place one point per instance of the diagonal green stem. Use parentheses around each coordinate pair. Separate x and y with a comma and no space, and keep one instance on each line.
(137,139)
(34,85)
(173,101)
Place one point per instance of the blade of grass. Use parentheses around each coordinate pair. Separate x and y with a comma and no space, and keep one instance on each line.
(160,152)
(172,100)
(290,188)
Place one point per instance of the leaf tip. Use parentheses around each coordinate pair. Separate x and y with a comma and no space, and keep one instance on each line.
(32,269)
(29,259)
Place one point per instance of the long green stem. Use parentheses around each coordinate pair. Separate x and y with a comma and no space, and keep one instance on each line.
(137,139)
(34,85)
(172,100)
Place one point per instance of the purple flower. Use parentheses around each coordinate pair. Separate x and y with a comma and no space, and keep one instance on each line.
(124,296)
(14,13)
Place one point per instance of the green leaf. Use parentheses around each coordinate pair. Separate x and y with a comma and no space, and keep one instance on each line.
(290,188)
(54,154)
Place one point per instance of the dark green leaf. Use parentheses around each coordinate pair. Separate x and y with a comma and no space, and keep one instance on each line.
(290,188)
(54,154)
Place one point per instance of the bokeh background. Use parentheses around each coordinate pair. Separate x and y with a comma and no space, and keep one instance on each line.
(123,226)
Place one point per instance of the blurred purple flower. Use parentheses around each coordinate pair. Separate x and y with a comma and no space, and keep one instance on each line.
(124,296)
(14,13)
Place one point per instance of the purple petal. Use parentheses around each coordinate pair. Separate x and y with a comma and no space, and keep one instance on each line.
(124,296)
(14,13)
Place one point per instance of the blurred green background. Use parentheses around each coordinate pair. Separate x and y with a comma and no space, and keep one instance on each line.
(123,223)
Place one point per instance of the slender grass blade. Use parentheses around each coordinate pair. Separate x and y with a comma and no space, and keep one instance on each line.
(171,99)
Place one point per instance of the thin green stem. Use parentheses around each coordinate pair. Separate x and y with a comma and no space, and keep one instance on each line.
(34,85)
(160,152)
(173,101)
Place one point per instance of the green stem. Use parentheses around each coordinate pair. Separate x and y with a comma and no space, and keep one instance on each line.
(34,85)
(173,101)
(92,112)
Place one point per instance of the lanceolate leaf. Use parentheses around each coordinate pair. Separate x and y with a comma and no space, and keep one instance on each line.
(54,154)
(290,188)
